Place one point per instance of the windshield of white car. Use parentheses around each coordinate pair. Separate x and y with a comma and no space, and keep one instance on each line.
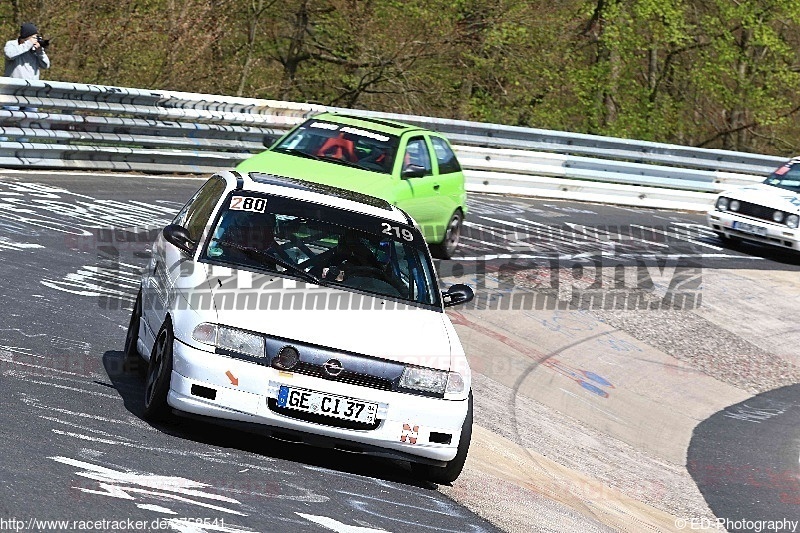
(343,144)
(324,245)
(787,177)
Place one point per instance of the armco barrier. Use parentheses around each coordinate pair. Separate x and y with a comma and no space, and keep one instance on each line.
(57,125)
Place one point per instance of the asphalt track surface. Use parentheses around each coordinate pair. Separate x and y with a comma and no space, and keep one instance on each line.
(744,460)
(74,444)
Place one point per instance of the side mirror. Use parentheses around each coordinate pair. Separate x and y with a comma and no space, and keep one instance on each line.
(179,236)
(457,294)
(269,140)
(412,171)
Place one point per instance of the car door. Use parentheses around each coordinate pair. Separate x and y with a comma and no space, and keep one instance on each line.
(451,194)
(169,262)
(419,184)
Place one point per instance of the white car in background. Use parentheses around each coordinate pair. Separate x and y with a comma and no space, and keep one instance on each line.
(767,212)
(307,313)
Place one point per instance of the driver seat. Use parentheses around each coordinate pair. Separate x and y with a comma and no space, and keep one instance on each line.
(338,148)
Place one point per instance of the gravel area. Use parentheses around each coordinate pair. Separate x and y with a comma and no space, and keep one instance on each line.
(707,347)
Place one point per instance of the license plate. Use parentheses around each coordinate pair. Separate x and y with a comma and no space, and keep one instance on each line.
(750,228)
(321,403)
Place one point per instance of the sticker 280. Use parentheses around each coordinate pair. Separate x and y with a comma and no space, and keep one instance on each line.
(248,203)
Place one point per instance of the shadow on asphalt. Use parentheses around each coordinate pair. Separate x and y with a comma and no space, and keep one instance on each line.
(129,383)
(764,251)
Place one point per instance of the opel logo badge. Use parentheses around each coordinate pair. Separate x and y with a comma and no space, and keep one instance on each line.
(333,368)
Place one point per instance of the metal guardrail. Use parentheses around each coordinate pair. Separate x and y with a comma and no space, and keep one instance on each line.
(57,125)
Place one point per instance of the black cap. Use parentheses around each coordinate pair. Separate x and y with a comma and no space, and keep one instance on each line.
(27,29)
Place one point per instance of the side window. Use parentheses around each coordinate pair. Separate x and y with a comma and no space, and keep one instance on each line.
(195,214)
(445,156)
(417,155)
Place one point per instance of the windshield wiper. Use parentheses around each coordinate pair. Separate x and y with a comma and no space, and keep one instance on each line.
(301,153)
(250,250)
(338,161)
(298,152)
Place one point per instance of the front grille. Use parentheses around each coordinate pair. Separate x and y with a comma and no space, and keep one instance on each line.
(272,403)
(756,211)
(351,378)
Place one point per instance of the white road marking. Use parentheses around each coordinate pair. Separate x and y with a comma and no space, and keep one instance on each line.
(623,238)
(185,526)
(337,526)
(84,391)
(128,421)
(699,227)
(223,458)
(678,235)
(156,508)
(120,484)
(7,172)
(8,244)
(71,213)
(6,359)
(94,281)
(84,428)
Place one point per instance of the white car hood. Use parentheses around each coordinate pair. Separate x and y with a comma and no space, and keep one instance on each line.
(372,326)
(768,196)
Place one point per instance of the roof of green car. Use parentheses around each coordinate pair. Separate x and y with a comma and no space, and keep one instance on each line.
(376,124)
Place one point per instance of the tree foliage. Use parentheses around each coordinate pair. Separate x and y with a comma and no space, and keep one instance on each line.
(713,73)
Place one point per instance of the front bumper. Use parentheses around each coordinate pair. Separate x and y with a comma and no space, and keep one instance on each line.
(726,222)
(221,387)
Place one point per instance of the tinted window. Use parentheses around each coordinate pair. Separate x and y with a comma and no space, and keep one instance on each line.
(342,144)
(195,214)
(324,245)
(445,156)
(417,156)
(786,177)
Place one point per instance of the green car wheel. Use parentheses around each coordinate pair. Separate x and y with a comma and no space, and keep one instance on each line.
(447,248)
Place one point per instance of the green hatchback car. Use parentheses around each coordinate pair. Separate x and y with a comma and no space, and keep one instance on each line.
(410,167)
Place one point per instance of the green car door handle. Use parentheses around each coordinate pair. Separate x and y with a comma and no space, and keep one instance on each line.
(436,187)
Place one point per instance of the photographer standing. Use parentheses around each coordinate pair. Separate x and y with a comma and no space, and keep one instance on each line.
(25,55)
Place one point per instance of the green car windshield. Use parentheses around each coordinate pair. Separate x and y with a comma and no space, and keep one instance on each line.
(323,245)
(787,177)
(342,144)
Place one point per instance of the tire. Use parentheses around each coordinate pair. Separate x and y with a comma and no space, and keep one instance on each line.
(133,361)
(444,475)
(159,373)
(447,248)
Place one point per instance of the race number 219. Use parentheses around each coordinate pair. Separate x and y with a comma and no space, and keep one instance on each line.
(405,233)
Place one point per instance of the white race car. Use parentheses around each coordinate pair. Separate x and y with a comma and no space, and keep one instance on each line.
(767,212)
(307,313)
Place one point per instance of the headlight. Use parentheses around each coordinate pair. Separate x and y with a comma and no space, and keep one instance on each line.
(424,379)
(455,383)
(205,333)
(777,216)
(722,203)
(792,221)
(734,205)
(240,341)
(230,339)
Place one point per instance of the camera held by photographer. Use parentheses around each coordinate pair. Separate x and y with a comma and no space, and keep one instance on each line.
(25,55)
